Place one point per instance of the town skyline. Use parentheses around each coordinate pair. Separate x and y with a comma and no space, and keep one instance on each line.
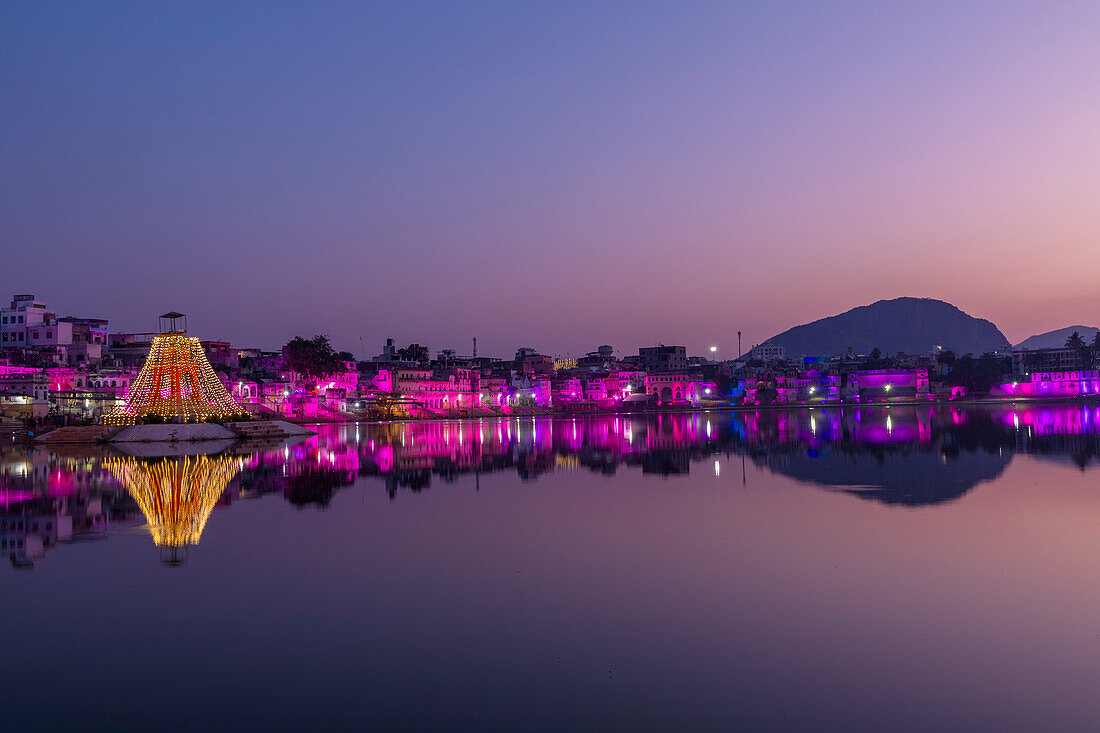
(726,348)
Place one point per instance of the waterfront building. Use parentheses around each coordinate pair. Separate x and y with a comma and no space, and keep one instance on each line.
(876,385)
(24,395)
(672,388)
(530,391)
(391,357)
(815,385)
(566,389)
(29,323)
(437,392)
(114,381)
(1060,359)
(130,348)
(768,353)
(268,361)
(663,358)
(602,359)
(275,396)
(529,362)
(1051,385)
(220,353)
(775,387)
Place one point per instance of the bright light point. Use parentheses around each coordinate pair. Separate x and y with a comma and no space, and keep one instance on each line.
(713,349)
(717,468)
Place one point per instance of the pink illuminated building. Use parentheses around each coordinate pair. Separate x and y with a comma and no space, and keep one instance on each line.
(444,392)
(814,386)
(678,388)
(1051,385)
(876,385)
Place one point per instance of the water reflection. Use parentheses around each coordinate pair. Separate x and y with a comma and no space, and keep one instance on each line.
(175,494)
(907,456)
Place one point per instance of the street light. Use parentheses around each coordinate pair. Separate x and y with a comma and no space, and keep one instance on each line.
(713,349)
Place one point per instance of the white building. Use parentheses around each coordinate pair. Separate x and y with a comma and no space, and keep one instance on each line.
(23,313)
(28,323)
(768,352)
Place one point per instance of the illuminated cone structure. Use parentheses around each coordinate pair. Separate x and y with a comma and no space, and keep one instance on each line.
(176,382)
(176,495)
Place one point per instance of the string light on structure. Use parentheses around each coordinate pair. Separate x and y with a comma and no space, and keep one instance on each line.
(176,495)
(176,382)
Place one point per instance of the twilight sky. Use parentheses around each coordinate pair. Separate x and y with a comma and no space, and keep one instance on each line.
(556,175)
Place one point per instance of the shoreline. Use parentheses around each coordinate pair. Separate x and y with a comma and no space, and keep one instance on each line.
(977,401)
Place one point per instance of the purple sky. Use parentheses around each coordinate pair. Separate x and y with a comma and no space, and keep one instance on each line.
(557,175)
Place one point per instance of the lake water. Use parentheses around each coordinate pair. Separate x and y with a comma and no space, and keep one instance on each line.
(905,568)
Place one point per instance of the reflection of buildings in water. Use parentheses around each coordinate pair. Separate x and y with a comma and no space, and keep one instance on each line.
(49,498)
(1070,433)
(176,494)
(906,455)
(409,455)
(852,446)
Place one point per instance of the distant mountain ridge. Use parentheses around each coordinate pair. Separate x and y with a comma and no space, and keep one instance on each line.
(1057,338)
(910,325)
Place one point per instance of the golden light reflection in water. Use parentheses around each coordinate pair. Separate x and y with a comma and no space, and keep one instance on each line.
(176,495)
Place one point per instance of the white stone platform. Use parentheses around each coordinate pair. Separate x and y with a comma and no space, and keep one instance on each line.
(172,432)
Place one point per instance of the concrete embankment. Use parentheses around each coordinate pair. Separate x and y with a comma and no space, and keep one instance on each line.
(176,432)
(171,433)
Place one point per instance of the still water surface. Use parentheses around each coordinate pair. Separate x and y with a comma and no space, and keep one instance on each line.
(871,568)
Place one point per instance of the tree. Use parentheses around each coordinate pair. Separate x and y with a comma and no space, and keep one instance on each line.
(1084,351)
(312,358)
(874,359)
(979,375)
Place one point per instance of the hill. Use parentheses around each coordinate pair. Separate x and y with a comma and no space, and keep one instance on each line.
(910,325)
(1054,339)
